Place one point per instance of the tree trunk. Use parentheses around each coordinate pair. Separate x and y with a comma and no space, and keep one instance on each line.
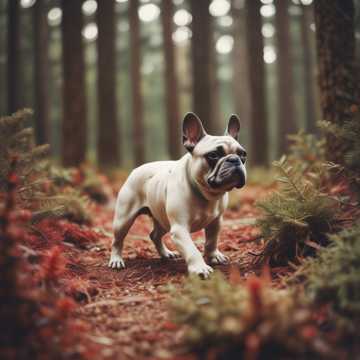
(74,112)
(286,101)
(204,75)
(240,67)
(108,134)
(171,85)
(338,80)
(309,98)
(334,20)
(259,132)
(13,56)
(137,101)
(41,69)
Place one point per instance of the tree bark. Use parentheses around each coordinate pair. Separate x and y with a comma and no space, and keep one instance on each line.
(171,84)
(135,67)
(338,78)
(334,20)
(108,132)
(258,118)
(286,101)
(309,99)
(41,69)
(13,56)
(74,111)
(241,82)
(204,74)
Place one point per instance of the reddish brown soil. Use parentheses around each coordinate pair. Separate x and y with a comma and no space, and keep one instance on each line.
(127,310)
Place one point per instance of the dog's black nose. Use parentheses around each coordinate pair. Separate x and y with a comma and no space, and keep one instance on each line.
(233,159)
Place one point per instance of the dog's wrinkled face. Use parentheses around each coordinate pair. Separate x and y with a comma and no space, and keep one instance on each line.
(218,162)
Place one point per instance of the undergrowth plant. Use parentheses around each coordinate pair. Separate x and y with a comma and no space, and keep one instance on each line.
(39,188)
(348,135)
(248,321)
(334,276)
(70,204)
(298,217)
(307,151)
(35,318)
(17,141)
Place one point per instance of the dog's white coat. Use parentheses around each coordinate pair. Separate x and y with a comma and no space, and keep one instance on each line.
(180,202)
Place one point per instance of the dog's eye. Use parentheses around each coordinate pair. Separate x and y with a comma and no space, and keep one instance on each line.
(213,155)
(242,154)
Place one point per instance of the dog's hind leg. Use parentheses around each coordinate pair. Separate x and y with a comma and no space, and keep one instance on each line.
(128,207)
(156,235)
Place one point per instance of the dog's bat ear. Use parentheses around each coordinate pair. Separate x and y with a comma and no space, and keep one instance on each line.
(233,127)
(193,131)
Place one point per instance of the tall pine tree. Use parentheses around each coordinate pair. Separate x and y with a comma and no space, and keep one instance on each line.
(307,46)
(171,83)
(13,56)
(287,113)
(108,134)
(41,68)
(74,110)
(258,119)
(203,65)
(135,67)
(338,75)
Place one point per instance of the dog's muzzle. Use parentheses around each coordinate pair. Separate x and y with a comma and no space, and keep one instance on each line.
(231,173)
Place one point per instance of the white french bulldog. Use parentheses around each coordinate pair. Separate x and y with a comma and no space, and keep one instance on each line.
(184,196)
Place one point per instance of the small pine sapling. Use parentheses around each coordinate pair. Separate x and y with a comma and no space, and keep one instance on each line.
(307,151)
(36,190)
(17,140)
(297,218)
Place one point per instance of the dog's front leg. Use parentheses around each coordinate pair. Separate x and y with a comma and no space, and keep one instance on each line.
(193,258)
(212,254)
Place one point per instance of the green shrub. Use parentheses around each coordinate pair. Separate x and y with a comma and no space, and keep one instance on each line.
(296,218)
(223,321)
(44,189)
(70,205)
(17,141)
(348,137)
(306,150)
(334,276)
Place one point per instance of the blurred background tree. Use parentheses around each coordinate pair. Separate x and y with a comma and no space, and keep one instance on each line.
(74,119)
(110,80)
(107,128)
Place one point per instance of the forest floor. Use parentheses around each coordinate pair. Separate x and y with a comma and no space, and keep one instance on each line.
(127,310)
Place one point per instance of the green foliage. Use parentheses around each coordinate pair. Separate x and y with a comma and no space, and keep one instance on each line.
(334,277)
(41,188)
(224,321)
(95,185)
(306,150)
(351,136)
(348,136)
(17,141)
(61,177)
(297,218)
(70,205)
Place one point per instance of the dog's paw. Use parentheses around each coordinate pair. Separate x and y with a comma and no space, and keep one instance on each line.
(167,254)
(218,258)
(202,270)
(116,262)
